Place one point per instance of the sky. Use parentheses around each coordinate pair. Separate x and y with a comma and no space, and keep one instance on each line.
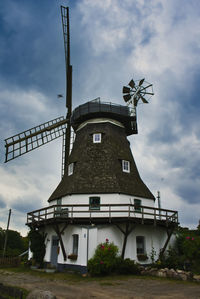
(112,41)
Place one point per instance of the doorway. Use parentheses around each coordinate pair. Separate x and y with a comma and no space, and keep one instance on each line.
(54,251)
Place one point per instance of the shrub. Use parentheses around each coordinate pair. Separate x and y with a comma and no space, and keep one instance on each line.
(185,253)
(104,259)
(153,255)
(126,266)
(37,246)
(172,259)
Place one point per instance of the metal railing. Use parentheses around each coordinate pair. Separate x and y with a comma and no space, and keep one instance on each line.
(99,106)
(109,211)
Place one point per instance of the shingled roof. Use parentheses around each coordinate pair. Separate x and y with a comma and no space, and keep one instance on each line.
(98,166)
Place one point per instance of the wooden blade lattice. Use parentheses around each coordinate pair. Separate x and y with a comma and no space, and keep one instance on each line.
(33,138)
(66,36)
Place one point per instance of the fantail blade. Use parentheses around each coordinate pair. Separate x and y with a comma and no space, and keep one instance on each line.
(141,82)
(131,84)
(144,100)
(126,89)
(127,97)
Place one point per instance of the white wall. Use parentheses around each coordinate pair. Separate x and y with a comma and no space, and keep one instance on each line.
(113,198)
(78,199)
(91,236)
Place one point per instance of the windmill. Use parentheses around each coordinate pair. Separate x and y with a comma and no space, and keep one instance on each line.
(37,136)
(102,193)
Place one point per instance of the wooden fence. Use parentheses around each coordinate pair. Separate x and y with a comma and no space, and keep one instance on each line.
(9,262)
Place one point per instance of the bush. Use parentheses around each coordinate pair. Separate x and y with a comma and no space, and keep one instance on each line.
(104,260)
(126,266)
(185,253)
(172,260)
(37,246)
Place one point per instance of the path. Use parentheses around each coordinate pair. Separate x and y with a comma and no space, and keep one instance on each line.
(135,288)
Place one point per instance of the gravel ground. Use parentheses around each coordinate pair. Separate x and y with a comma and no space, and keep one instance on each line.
(134,288)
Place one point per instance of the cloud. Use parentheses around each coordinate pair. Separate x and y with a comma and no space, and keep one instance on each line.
(26,204)
(2,202)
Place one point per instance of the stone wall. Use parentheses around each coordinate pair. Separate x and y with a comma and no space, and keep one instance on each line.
(170,273)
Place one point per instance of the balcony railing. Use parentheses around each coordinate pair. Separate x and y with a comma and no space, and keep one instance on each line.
(104,211)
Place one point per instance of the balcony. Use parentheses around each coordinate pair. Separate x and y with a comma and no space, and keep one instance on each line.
(107,213)
(97,108)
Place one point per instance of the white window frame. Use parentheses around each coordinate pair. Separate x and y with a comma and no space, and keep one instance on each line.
(97,138)
(70,169)
(126,166)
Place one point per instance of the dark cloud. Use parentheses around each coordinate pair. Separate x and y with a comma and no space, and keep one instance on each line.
(27,204)
(188,191)
(2,202)
(163,134)
(31,56)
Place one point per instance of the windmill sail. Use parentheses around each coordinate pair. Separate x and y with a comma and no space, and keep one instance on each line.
(66,35)
(33,138)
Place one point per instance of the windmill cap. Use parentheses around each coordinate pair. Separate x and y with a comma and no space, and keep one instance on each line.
(97,108)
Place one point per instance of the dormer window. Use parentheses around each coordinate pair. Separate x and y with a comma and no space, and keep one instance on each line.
(97,138)
(125,166)
(70,169)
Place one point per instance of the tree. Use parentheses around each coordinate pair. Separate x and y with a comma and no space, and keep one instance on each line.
(16,244)
(37,245)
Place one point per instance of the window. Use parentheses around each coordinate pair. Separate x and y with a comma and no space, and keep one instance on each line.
(70,169)
(140,240)
(137,204)
(94,203)
(58,209)
(125,166)
(55,241)
(97,138)
(75,244)
(59,203)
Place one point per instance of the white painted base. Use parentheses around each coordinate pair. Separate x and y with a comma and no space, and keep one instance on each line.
(91,236)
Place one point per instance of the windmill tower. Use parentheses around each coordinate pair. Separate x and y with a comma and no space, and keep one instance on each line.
(101,194)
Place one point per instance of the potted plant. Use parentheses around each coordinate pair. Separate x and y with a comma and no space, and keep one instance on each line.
(72,256)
